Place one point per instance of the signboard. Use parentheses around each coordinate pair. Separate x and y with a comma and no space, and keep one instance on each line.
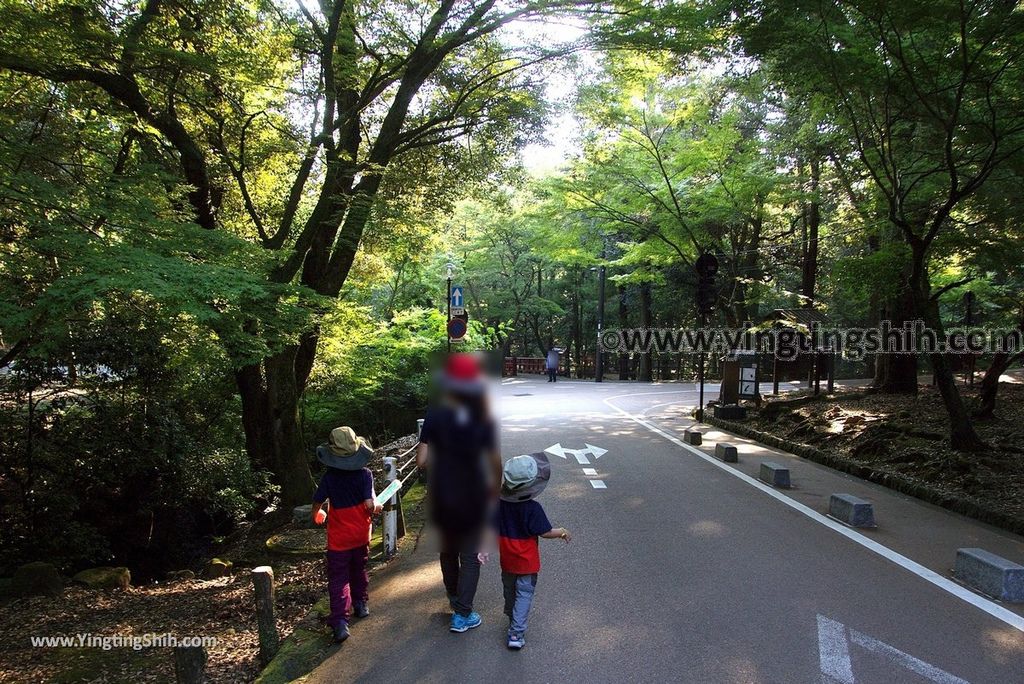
(458,301)
(457,328)
(388,492)
(458,311)
(748,382)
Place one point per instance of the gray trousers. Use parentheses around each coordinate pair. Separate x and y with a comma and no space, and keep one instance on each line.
(518,590)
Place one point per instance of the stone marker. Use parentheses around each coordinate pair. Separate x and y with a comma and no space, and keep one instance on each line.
(692,437)
(774,474)
(266,625)
(726,452)
(189,665)
(990,574)
(851,510)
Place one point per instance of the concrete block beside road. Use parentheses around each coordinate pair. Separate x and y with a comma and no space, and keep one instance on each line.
(692,437)
(851,510)
(726,452)
(990,574)
(774,474)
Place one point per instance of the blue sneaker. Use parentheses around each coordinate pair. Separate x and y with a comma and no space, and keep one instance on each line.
(464,623)
(516,641)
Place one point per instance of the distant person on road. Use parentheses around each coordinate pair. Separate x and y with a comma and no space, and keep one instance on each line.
(346,489)
(459,450)
(552,364)
(520,520)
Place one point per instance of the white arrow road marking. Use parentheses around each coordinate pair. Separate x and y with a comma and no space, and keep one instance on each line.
(556,449)
(834,652)
(834,655)
(581,456)
(929,672)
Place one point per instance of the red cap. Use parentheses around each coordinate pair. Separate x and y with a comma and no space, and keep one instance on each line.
(462,368)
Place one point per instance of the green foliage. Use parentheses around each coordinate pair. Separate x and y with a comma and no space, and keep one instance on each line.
(373,375)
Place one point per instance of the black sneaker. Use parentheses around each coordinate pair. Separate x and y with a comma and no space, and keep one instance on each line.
(341,633)
(360,610)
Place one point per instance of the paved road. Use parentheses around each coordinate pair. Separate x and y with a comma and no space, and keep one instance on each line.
(682,570)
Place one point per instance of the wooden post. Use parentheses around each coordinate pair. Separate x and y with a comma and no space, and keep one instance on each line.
(189,664)
(263,584)
(775,372)
(401,515)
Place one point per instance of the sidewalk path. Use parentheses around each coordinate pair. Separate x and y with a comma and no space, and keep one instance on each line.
(682,571)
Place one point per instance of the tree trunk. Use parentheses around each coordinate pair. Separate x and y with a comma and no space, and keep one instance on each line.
(623,324)
(897,373)
(646,321)
(961,431)
(812,221)
(270,393)
(1001,361)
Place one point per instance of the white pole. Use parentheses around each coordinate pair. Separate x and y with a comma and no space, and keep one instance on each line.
(390,510)
(419,427)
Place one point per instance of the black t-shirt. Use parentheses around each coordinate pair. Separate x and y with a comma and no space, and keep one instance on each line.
(457,469)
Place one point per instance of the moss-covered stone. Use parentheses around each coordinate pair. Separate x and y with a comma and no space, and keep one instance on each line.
(105,578)
(36,579)
(308,646)
(218,567)
(299,542)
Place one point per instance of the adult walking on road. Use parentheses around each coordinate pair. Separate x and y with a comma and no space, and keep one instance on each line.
(459,450)
(552,364)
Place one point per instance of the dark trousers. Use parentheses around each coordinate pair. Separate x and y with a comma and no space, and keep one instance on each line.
(552,375)
(347,581)
(460,568)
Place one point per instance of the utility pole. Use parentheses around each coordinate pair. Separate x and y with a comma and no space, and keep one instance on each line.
(450,267)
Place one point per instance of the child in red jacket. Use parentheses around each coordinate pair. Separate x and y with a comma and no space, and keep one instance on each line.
(347,489)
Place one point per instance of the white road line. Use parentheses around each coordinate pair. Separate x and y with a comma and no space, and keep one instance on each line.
(833,652)
(589,472)
(581,458)
(893,654)
(947,585)
(598,484)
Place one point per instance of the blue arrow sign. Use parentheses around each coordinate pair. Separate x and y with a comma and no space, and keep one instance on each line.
(457,299)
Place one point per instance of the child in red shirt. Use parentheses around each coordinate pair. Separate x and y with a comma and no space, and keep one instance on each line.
(520,521)
(347,489)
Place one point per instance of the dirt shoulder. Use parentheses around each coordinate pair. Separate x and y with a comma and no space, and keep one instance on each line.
(221,608)
(902,442)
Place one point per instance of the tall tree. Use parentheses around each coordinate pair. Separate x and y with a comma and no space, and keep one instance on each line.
(282,124)
(930,94)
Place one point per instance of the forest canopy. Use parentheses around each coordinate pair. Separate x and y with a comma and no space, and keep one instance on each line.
(226,225)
